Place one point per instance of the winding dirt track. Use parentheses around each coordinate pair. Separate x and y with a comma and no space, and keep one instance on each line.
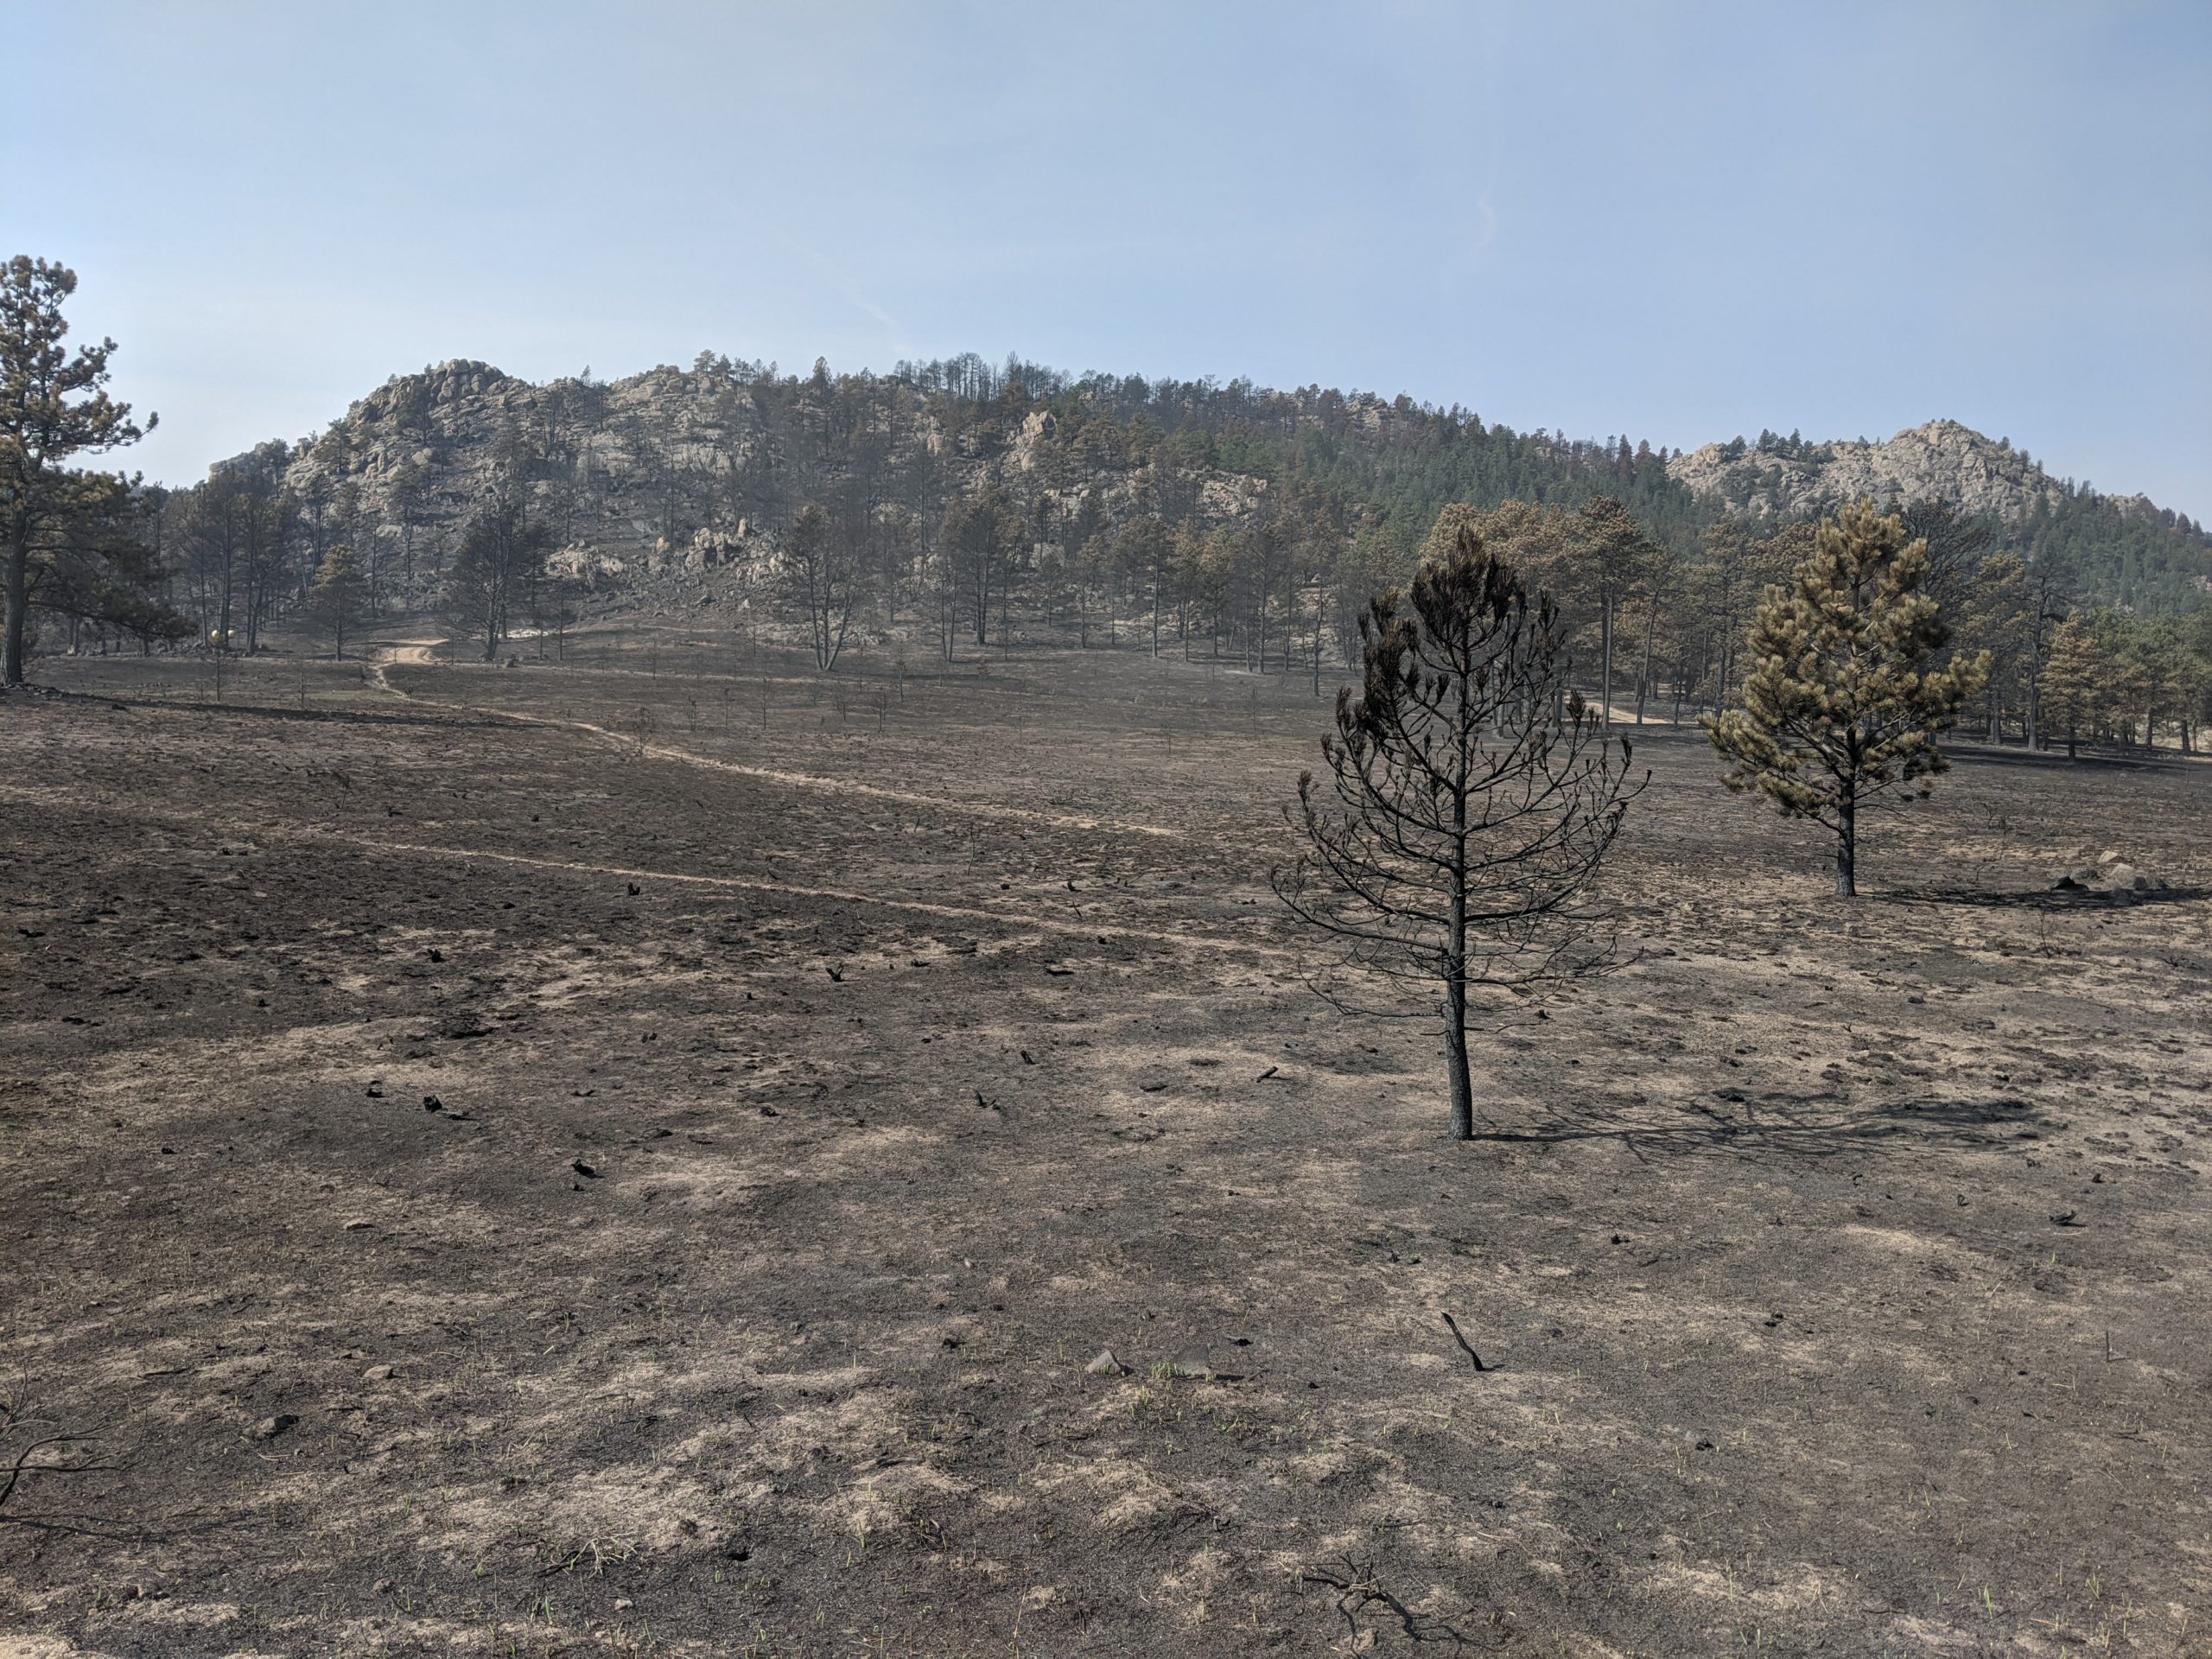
(1088,931)
(417,652)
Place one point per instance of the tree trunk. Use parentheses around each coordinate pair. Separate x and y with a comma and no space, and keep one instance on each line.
(19,598)
(1455,1048)
(1650,635)
(1320,605)
(1455,1012)
(1847,851)
(1605,652)
(1455,943)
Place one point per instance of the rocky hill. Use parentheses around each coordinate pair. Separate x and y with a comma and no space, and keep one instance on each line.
(2122,549)
(675,473)
(673,470)
(1941,460)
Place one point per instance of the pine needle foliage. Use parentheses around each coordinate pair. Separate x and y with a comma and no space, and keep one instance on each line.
(1842,705)
(340,597)
(65,541)
(1468,805)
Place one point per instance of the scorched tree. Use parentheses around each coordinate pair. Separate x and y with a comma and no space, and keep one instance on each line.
(1453,845)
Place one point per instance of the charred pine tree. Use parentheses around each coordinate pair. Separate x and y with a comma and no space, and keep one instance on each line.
(1453,847)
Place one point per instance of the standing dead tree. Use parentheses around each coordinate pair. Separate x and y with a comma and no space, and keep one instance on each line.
(1468,808)
(822,572)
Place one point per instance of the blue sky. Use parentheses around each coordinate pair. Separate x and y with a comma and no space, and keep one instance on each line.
(1681,221)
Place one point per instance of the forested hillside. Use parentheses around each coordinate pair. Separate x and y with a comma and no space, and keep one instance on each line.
(1004,504)
(658,457)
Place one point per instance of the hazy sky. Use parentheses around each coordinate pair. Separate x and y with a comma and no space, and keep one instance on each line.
(1680,222)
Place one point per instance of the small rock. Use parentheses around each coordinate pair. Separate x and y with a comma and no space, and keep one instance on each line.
(269,1427)
(382,1587)
(623,1603)
(1105,1365)
(378,1374)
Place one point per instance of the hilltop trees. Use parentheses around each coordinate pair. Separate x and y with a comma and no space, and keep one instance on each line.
(68,537)
(1842,705)
(982,536)
(1455,840)
(822,573)
(1605,552)
(502,553)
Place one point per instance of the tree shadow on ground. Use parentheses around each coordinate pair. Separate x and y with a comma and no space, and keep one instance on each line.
(2040,898)
(274,711)
(1780,1125)
(1985,754)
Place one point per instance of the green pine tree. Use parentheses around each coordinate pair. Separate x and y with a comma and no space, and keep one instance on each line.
(65,542)
(340,597)
(1842,705)
(2078,680)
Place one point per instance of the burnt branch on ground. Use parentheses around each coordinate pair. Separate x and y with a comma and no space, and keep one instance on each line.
(29,1457)
(1359,1589)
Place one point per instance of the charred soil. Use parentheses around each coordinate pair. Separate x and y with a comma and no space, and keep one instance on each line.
(637,1155)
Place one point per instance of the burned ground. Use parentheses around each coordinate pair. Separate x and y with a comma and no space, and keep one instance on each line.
(637,1156)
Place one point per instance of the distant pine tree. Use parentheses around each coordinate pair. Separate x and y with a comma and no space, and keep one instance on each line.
(1842,705)
(339,598)
(67,542)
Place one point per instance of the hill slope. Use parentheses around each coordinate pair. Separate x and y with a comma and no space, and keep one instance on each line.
(643,467)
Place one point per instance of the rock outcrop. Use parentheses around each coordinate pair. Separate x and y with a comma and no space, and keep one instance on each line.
(2112,877)
(1941,460)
